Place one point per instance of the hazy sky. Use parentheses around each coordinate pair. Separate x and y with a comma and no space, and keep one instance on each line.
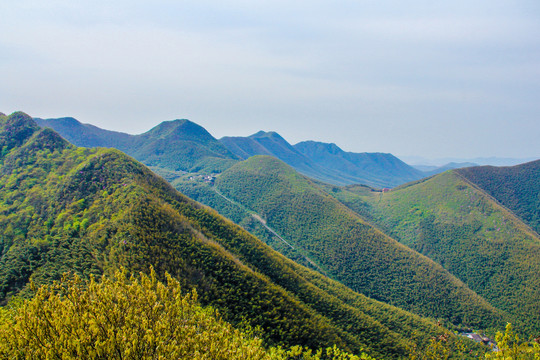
(430,78)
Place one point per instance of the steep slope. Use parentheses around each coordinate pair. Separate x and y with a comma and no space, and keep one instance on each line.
(347,248)
(178,145)
(90,211)
(182,145)
(516,187)
(459,226)
(374,169)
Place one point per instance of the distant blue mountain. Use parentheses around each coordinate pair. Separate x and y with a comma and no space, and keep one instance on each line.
(326,162)
(182,145)
(430,170)
(374,169)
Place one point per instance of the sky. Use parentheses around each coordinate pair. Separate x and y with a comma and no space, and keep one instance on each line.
(452,79)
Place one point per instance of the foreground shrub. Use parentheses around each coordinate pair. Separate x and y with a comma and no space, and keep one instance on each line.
(128,317)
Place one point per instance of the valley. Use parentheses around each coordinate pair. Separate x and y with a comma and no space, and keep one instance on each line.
(312,261)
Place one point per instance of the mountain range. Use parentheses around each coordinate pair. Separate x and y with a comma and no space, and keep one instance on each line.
(348,262)
(93,210)
(185,146)
(298,217)
(178,145)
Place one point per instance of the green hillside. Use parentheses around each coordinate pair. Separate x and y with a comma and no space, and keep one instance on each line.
(91,211)
(515,187)
(463,229)
(178,145)
(349,249)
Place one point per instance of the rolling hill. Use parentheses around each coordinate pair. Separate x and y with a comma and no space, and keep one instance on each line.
(516,187)
(455,223)
(347,248)
(91,211)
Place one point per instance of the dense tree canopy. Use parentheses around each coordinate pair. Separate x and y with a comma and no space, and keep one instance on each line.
(130,317)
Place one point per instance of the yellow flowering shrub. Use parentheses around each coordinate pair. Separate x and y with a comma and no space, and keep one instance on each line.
(128,317)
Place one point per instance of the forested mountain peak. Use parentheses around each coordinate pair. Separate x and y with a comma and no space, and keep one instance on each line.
(65,121)
(87,135)
(266,134)
(15,130)
(274,142)
(180,129)
(177,145)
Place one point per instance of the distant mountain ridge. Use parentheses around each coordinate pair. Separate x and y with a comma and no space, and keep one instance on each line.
(272,144)
(430,170)
(375,169)
(326,162)
(173,145)
(182,145)
(480,161)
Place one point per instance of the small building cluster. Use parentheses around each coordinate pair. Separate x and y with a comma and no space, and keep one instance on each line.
(481,339)
(205,178)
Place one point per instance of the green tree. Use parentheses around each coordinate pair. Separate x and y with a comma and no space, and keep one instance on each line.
(123,317)
(512,347)
(128,317)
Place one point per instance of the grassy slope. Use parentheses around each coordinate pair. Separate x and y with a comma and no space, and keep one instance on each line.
(90,211)
(349,249)
(460,227)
